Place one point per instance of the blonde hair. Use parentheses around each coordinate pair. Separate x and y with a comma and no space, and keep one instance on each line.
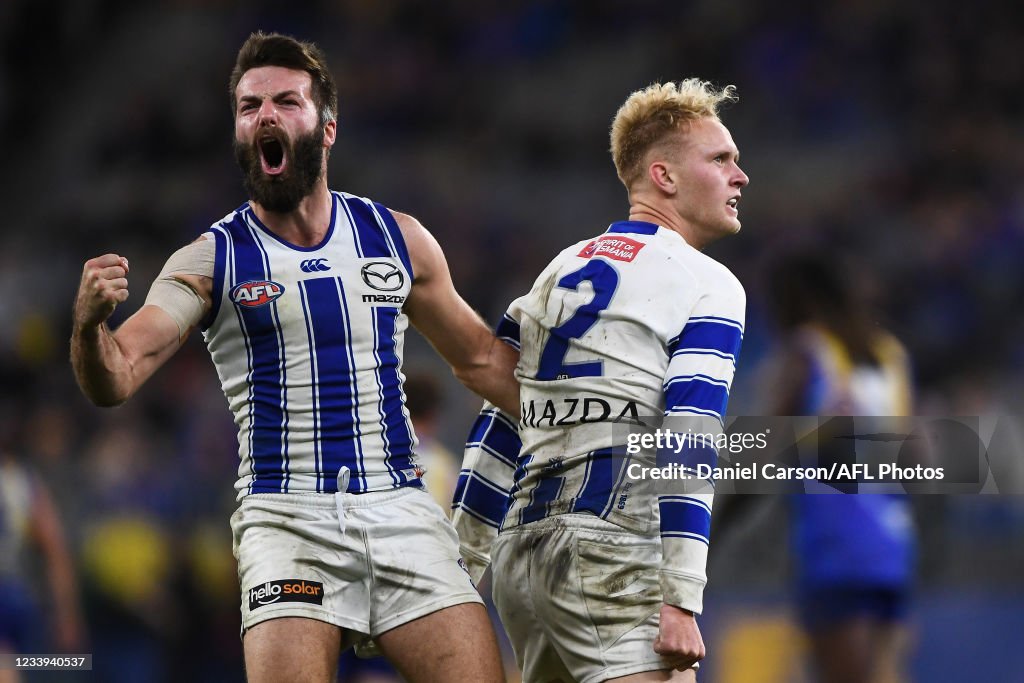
(650,115)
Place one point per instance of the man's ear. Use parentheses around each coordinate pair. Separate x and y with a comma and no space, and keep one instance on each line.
(330,133)
(663,177)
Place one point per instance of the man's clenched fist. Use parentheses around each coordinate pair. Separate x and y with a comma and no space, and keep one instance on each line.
(104,285)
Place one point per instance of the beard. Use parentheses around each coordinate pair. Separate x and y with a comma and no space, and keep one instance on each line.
(282,193)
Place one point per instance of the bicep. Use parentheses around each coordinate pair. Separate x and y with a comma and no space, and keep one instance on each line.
(433,306)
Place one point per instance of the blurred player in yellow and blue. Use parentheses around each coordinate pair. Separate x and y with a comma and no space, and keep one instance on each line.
(854,553)
(29,523)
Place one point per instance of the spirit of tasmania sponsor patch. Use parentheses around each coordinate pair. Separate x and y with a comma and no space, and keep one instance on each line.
(613,247)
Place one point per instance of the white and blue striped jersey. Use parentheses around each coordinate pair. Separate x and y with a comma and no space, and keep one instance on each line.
(308,347)
(631,325)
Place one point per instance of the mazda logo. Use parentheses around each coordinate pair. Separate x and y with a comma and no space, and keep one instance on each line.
(382,276)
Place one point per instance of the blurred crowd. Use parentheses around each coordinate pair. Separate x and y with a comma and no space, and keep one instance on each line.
(888,133)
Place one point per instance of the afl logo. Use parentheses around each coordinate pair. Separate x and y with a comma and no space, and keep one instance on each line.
(383,276)
(256,293)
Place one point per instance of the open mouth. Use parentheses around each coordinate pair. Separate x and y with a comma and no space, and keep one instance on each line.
(733,203)
(272,156)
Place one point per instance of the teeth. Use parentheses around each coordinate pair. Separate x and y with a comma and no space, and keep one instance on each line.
(733,202)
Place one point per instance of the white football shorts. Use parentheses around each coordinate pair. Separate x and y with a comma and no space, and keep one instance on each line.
(579,598)
(365,562)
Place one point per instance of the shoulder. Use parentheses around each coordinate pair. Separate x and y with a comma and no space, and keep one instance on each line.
(425,255)
(417,238)
(408,224)
(712,276)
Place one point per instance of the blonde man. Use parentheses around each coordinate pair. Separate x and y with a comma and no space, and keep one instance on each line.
(597,578)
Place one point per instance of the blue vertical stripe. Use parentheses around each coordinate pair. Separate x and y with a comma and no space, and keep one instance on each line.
(339,199)
(543,494)
(397,435)
(600,482)
(229,260)
(315,390)
(371,235)
(282,369)
(336,381)
(267,391)
(397,240)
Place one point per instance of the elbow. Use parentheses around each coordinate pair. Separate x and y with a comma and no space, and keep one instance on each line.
(469,376)
(106,399)
(103,397)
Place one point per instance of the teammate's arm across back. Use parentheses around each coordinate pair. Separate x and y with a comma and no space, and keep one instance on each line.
(478,359)
(109,365)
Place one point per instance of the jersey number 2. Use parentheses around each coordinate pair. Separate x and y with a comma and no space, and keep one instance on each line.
(605,280)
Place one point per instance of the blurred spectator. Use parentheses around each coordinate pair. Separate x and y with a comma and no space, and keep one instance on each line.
(853,550)
(29,524)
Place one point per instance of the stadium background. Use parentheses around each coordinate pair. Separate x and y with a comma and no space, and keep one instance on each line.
(888,132)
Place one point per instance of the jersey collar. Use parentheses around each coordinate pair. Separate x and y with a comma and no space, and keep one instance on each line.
(634,227)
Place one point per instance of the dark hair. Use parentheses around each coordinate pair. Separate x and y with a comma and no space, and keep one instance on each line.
(813,287)
(275,49)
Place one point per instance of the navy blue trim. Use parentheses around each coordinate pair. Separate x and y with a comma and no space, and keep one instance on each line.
(220,257)
(327,238)
(683,517)
(634,227)
(481,497)
(396,236)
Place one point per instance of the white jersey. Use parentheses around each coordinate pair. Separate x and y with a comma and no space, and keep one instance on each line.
(16,494)
(308,347)
(630,325)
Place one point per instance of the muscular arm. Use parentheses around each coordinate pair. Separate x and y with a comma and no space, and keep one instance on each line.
(463,339)
(109,365)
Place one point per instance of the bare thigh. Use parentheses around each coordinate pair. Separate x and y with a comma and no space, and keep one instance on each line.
(453,644)
(860,651)
(292,649)
(675,676)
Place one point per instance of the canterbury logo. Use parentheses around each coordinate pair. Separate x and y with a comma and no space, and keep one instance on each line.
(383,276)
(314,265)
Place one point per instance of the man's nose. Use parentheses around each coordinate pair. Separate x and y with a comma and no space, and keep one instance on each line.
(741,179)
(267,115)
